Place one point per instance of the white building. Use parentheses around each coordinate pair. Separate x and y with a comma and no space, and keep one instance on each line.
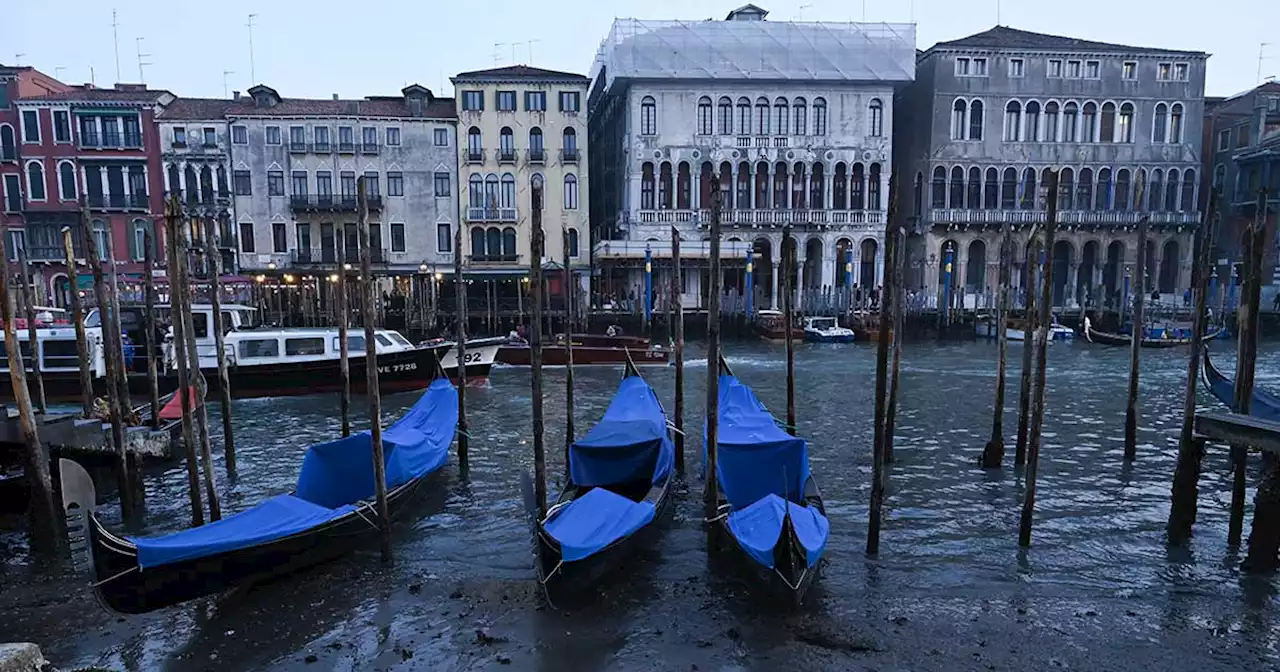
(792,120)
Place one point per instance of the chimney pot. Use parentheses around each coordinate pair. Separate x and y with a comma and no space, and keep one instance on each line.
(235,95)
(335,96)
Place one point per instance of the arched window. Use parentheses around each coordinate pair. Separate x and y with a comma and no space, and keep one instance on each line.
(206,184)
(475,146)
(1107,127)
(646,186)
(975,120)
(35,181)
(797,188)
(684,187)
(66,181)
(475,188)
(1028,189)
(1188,190)
(573,242)
(1070,122)
(1084,190)
(222,181)
(1155,192)
(535,144)
(780,181)
(569,143)
(508,194)
(724,114)
(873,188)
(959,120)
(856,188)
(780,116)
(493,240)
(1051,110)
(1171,191)
(744,116)
(477,242)
(819,116)
(817,187)
(506,144)
(491,192)
(938,201)
(100,238)
(7,142)
(705,119)
(991,190)
(1066,189)
(975,189)
(571,192)
(1122,190)
(1104,189)
(1124,124)
(799,116)
(1089,123)
(664,186)
(193,184)
(1012,121)
(509,243)
(1032,133)
(1009,190)
(762,116)
(839,187)
(1159,124)
(1175,124)
(648,116)
(175,181)
(876,110)
(957,188)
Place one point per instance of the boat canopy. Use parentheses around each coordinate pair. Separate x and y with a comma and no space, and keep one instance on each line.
(336,476)
(756,457)
(629,444)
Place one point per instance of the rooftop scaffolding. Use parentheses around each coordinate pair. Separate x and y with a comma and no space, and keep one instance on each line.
(757,50)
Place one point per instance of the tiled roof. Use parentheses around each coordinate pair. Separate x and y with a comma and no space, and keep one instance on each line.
(80,94)
(197,108)
(437,108)
(12,69)
(520,72)
(1005,37)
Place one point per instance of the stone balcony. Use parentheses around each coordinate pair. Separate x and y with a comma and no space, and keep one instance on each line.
(938,217)
(767,218)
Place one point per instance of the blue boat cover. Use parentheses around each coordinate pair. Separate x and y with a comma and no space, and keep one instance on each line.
(595,520)
(1264,405)
(335,477)
(758,527)
(756,457)
(629,443)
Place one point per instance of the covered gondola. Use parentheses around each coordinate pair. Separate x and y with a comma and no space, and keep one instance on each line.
(330,510)
(619,486)
(1263,404)
(769,503)
(1164,340)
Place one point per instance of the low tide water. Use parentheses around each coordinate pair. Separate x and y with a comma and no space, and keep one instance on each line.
(949,553)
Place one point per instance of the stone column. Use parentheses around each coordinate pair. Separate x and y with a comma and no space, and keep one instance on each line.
(884,189)
(798,300)
(827,198)
(773,293)
(1069,292)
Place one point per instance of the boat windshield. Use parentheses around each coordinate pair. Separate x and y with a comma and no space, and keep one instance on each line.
(248,318)
(93,319)
(824,323)
(395,336)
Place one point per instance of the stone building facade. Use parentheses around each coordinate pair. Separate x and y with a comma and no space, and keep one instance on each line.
(990,114)
(195,148)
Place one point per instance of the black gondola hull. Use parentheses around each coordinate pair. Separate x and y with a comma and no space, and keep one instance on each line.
(1107,338)
(791,577)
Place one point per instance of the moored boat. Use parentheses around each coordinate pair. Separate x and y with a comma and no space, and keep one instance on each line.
(826,330)
(771,325)
(329,511)
(1262,404)
(866,326)
(1152,337)
(516,353)
(619,485)
(769,506)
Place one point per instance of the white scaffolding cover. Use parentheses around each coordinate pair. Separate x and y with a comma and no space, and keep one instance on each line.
(758,50)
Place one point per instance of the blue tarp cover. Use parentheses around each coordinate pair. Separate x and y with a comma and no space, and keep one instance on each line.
(335,475)
(595,520)
(756,457)
(629,443)
(758,526)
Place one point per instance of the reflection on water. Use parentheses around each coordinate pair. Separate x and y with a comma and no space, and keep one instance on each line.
(950,527)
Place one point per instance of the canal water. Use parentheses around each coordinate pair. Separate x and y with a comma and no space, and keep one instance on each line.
(949,590)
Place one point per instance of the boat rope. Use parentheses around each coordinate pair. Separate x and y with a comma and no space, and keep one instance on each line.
(544,579)
(463,433)
(109,579)
(362,516)
(672,426)
(799,581)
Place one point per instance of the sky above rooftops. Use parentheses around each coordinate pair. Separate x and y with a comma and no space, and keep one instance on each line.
(316,48)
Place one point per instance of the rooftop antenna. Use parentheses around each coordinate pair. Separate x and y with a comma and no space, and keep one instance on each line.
(997,12)
(497,52)
(93,81)
(142,78)
(530,43)
(1262,48)
(253,75)
(115,41)
(225,91)
(800,11)
(17,59)
(57,72)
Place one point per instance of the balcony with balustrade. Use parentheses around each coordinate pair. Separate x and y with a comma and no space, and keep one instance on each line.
(331,203)
(485,215)
(942,216)
(766,218)
(118,202)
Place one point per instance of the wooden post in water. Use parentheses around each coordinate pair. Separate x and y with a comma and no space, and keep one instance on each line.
(77,319)
(535,350)
(1135,345)
(1041,342)
(1248,313)
(1186,476)
(788,319)
(214,257)
(33,333)
(895,336)
(1264,534)
(121,375)
(344,348)
(993,452)
(45,528)
(881,405)
(149,324)
(568,349)
(711,495)
(460,296)
(1029,315)
(111,355)
(171,232)
(195,377)
(677,300)
(368,295)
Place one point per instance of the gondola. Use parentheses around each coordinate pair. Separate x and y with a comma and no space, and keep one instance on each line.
(1108,338)
(1263,405)
(619,487)
(769,504)
(329,512)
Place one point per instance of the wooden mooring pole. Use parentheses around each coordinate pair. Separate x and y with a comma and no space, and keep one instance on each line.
(711,495)
(368,295)
(198,387)
(568,349)
(121,375)
(33,333)
(1135,344)
(1042,349)
(460,296)
(535,350)
(214,258)
(77,319)
(344,347)
(1029,315)
(788,318)
(1248,313)
(993,452)
(149,324)
(172,223)
(677,300)
(876,509)
(1264,534)
(894,311)
(45,524)
(1186,476)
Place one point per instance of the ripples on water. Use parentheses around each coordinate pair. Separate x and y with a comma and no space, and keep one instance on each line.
(949,526)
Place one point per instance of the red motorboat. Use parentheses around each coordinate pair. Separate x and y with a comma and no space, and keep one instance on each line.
(588,350)
(770,324)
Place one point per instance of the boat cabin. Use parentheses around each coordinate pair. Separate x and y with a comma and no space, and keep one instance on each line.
(254,347)
(820,323)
